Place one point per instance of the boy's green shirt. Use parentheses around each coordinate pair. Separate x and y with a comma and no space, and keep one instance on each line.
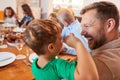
(56,69)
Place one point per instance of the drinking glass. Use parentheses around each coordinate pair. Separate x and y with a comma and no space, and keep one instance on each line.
(19,45)
(2,37)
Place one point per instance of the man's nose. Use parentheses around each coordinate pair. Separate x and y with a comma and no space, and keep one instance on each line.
(83,32)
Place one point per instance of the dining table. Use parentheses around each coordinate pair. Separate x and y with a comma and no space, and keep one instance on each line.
(20,69)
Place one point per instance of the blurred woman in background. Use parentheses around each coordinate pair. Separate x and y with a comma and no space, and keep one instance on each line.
(28,16)
(10,16)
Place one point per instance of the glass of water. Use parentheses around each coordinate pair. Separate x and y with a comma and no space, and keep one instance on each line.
(19,45)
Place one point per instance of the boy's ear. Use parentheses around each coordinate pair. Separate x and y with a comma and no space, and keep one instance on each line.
(51,47)
(110,25)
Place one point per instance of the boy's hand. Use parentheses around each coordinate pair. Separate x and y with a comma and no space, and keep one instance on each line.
(71,40)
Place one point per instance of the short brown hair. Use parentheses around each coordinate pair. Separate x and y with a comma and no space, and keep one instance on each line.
(105,10)
(40,33)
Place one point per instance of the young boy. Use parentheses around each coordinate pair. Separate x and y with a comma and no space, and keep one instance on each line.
(44,38)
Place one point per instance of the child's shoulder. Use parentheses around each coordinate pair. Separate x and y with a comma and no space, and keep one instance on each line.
(62,62)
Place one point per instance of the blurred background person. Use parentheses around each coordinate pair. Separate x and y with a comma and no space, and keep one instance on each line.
(10,16)
(71,25)
(53,17)
(28,15)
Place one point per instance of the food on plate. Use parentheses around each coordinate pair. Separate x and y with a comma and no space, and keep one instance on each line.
(12,37)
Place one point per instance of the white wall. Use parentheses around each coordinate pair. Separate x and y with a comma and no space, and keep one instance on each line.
(47,7)
(5,3)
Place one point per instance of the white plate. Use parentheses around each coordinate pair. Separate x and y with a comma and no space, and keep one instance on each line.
(21,30)
(11,44)
(8,25)
(32,57)
(6,58)
(3,46)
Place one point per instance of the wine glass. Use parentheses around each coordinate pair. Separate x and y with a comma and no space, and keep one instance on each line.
(2,37)
(19,45)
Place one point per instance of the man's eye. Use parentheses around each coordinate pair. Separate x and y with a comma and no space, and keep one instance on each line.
(85,26)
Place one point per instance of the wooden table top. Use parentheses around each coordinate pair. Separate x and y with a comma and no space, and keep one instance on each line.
(19,70)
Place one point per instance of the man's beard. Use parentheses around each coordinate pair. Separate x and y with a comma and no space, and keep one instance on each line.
(99,40)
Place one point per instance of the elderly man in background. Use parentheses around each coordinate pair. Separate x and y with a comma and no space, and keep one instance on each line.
(66,17)
(100,22)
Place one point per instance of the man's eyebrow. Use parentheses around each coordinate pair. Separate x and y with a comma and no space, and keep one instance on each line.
(92,22)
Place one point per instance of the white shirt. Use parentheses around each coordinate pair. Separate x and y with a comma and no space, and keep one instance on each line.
(11,20)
